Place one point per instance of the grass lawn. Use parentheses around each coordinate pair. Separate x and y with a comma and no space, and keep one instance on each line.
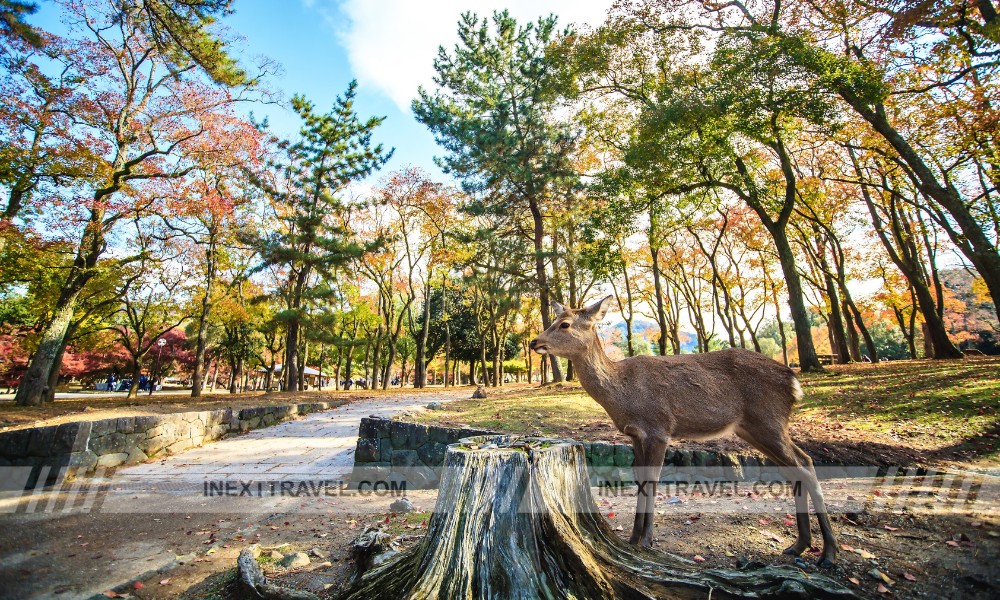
(904,412)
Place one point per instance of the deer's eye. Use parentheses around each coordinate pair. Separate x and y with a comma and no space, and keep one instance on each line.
(565,325)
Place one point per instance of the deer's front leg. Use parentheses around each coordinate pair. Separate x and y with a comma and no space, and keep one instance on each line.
(638,470)
(654,451)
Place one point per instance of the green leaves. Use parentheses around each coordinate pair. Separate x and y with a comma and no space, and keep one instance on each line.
(494,113)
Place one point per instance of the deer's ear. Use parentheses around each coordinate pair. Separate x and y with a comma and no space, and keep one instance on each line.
(597,311)
(558,308)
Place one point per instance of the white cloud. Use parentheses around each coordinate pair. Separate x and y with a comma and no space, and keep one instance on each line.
(391,44)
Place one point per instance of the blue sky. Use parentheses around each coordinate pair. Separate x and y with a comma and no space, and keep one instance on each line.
(387,45)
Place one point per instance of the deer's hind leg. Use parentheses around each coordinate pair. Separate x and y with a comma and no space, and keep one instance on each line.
(816,494)
(797,466)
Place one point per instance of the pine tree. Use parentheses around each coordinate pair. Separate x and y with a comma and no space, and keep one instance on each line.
(334,149)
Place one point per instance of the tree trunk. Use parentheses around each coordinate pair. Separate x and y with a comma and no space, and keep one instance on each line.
(853,340)
(290,370)
(837,328)
(543,282)
(800,318)
(198,377)
(32,389)
(519,521)
(133,391)
(661,315)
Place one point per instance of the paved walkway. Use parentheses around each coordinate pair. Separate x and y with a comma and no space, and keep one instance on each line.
(318,445)
(67,542)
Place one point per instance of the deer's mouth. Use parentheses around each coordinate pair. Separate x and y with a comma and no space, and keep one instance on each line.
(542,349)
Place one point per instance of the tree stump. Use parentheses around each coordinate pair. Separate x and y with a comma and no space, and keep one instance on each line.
(515,519)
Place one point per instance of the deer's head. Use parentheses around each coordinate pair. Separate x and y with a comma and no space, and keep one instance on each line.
(572,332)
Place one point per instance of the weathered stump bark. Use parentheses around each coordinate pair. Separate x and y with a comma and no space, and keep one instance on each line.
(515,519)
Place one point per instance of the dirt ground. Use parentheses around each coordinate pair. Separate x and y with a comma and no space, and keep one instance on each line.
(923,550)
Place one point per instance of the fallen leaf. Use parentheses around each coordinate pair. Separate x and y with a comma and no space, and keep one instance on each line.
(764,522)
(854,580)
(138,585)
(165,581)
(882,589)
(611,515)
(846,548)
(952,543)
(789,522)
(890,528)
(699,558)
(909,577)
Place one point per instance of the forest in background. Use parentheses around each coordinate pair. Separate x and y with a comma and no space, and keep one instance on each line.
(810,179)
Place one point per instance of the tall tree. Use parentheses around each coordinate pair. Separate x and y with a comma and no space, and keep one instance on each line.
(496,114)
(334,149)
(145,114)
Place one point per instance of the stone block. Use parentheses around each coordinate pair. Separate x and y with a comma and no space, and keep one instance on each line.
(432,454)
(418,435)
(399,433)
(603,454)
(111,460)
(154,445)
(103,427)
(249,413)
(404,458)
(85,460)
(268,419)
(71,437)
(111,443)
(367,451)
(125,425)
(368,428)
(624,455)
(40,440)
(146,422)
(14,443)
(384,446)
(441,435)
(703,458)
(180,446)
(135,456)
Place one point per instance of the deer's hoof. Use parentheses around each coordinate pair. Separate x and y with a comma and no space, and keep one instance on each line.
(793,550)
(825,563)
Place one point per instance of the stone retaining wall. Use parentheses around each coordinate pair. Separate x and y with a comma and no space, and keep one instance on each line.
(396,450)
(84,446)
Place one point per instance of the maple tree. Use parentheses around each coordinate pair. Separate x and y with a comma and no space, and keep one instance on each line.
(134,113)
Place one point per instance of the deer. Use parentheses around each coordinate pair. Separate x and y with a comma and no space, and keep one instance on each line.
(652,399)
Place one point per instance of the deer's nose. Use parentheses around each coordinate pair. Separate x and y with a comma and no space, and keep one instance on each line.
(533,343)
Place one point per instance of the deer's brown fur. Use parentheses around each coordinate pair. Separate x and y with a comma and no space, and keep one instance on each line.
(691,396)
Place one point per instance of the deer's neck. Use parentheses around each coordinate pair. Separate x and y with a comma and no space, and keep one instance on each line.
(597,373)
